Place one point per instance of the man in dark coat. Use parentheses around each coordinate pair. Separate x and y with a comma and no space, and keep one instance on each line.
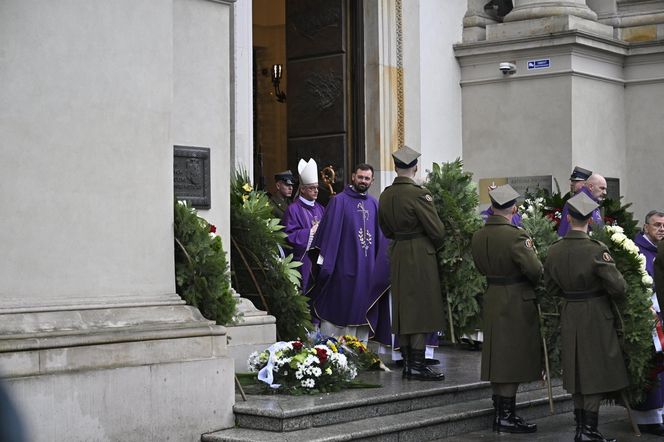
(283,197)
(408,217)
(582,271)
(511,351)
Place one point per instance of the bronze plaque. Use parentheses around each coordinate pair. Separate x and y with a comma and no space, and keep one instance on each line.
(191,175)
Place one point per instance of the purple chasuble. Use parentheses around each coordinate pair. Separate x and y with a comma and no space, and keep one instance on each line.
(298,219)
(516,218)
(598,222)
(655,397)
(649,250)
(352,283)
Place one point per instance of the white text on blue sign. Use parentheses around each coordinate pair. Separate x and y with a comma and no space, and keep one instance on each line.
(539,64)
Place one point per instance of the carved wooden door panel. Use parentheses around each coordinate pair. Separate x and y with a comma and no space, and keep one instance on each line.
(319,85)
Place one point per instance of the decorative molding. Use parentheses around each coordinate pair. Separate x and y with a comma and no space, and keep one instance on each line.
(401,136)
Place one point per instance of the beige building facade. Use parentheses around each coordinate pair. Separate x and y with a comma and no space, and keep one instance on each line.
(95,343)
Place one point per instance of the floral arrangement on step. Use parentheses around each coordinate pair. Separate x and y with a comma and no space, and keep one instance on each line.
(297,367)
(355,350)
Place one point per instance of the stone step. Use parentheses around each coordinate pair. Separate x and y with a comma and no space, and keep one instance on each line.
(291,413)
(425,422)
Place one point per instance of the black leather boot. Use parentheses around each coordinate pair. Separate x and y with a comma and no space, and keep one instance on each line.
(405,355)
(578,420)
(507,421)
(418,368)
(589,431)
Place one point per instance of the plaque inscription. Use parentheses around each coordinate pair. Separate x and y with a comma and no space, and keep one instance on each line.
(191,175)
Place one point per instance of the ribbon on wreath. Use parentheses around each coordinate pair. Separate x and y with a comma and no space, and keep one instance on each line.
(266,374)
(658,331)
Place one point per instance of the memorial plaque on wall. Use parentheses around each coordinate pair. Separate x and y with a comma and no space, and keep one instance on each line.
(530,184)
(522,184)
(191,175)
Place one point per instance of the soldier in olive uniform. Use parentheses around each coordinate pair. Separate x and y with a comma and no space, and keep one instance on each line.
(408,217)
(511,352)
(582,271)
(284,182)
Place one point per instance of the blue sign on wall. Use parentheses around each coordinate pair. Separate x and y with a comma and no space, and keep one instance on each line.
(539,64)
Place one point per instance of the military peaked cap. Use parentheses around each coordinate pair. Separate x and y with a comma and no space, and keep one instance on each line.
(503,197)
(405,157)
(581,206)
(286,176)
(580,174)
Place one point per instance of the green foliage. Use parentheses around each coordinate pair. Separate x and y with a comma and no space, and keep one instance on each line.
(456,200)
(257,267)
(635,320)
(541,229)
(201,270)
(616,214)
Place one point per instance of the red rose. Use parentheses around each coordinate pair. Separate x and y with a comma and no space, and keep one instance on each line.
(322,355)
(297,345)
(213,228)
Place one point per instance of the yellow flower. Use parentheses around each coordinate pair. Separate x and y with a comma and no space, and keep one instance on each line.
(332,347)
(247,187)
(245,198)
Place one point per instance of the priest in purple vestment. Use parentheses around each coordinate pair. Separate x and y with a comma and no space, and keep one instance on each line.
(648,414)
(350,295)
(595,188)
(302,217)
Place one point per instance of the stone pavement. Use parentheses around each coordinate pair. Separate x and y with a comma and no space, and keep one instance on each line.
(560,427)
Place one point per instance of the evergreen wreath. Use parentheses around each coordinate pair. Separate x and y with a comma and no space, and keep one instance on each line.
(258,268)
(635,319)
(202,277)
(456,199)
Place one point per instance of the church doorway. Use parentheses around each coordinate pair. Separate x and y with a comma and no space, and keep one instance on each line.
(308,88)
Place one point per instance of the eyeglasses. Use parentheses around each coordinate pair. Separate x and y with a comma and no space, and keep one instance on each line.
(657,225)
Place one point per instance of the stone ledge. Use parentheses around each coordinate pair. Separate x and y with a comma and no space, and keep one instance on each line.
(548,25)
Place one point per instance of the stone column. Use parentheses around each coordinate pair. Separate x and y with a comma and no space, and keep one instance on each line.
(538,17)
(475,21)
(531,9)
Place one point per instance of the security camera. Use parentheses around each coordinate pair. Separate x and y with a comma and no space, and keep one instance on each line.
(507,68)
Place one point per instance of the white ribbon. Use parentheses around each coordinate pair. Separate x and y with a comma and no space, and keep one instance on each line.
(265,374)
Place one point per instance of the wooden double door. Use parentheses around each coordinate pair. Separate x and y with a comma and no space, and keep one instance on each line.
(325,105)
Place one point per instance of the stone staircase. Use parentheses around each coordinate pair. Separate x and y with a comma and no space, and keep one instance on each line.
(397,411)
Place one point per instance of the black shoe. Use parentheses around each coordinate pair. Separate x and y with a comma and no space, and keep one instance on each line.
(589,431)
(417,369)
(405,363)
(656,429)
(506,420)
(432,361)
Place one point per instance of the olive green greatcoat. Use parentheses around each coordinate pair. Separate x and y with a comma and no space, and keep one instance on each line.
(279,205)
(408,217)
(511,351)
(659,273)
(591,356)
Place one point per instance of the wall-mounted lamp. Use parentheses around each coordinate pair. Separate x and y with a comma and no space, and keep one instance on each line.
(277,71)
